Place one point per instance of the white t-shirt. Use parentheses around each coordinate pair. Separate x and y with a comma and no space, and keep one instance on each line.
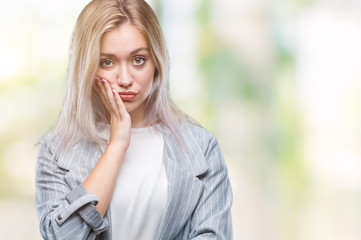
(140,195)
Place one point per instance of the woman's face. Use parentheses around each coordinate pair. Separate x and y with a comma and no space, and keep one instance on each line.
(125,62)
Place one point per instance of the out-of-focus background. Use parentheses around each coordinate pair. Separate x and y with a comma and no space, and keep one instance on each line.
(278,82)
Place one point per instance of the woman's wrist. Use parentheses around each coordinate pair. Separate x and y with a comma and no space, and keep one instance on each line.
(117,147)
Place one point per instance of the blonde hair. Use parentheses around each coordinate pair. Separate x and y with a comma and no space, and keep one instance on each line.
(83,115)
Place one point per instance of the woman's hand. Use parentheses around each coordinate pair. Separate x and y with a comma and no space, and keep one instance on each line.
(120,121)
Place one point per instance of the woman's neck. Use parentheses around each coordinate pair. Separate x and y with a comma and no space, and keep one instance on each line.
(137,118)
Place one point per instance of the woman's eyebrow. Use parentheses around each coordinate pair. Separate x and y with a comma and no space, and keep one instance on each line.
(111,55)
(139,49)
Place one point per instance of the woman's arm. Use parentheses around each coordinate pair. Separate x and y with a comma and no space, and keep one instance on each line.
(102,178)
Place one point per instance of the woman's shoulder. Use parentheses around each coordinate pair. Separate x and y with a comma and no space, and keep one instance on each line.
(48,141)
(194,133)
(203,146)
(51,144)
(191,127)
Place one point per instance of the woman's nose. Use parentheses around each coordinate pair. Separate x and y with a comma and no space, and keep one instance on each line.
(124,77)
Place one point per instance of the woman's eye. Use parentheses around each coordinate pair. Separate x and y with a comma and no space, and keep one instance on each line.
(139,60)
(106,63)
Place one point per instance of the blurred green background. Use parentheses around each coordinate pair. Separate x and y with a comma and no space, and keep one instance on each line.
(278,83)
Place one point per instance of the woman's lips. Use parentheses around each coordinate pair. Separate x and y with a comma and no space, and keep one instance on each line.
(127,95)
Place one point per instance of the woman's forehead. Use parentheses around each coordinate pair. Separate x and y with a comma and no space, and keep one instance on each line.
(125,36)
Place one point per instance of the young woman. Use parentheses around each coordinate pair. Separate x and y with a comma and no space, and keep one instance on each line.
(122,161)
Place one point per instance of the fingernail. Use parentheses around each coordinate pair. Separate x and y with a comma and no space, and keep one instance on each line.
(103,81)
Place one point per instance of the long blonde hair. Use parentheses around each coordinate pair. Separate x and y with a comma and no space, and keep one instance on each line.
(83,115)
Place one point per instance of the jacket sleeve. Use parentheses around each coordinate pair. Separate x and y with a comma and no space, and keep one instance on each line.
(64,213)
(212,217)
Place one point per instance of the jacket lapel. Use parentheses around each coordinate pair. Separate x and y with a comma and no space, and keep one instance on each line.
(184,188)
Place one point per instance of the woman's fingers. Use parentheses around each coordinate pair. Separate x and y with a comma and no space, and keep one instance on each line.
(120,105)
(110,96)
(101,92)
(100,89)
(111,99)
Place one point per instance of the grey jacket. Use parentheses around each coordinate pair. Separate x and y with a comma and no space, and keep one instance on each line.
(199,191)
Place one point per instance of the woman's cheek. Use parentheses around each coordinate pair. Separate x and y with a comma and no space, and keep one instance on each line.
(106,74)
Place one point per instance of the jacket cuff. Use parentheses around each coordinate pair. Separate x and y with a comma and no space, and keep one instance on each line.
(84,204)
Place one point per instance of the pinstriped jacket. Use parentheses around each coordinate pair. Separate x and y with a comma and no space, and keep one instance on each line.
(199,191)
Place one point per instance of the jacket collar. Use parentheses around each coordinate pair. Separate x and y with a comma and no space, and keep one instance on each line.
(183,166)
(187,154)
